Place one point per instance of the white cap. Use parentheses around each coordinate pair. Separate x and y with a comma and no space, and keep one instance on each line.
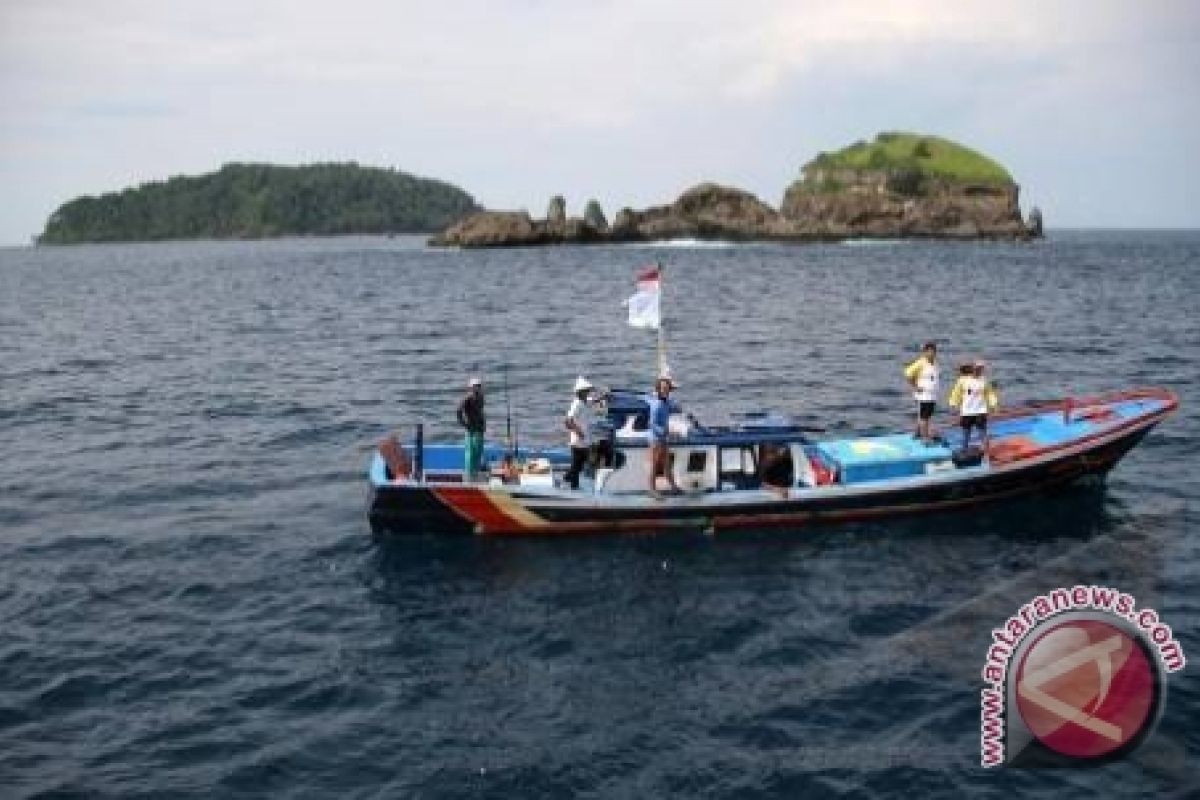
(475,382)
(582,384)
(666,376)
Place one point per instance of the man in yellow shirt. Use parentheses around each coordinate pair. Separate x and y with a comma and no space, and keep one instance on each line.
(974,397)
(922,376)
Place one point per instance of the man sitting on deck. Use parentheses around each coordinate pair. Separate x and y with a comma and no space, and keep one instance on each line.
(776,468)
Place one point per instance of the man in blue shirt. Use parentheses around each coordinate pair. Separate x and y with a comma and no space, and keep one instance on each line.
(660,415)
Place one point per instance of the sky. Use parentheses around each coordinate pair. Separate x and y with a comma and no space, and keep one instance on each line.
(1093,106)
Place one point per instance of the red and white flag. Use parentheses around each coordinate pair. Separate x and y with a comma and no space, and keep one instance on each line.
(643,305)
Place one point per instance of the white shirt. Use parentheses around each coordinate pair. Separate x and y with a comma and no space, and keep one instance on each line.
(927,383)
(581,412)
(974,400)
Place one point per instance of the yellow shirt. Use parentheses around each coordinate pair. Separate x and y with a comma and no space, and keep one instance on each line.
(972,396)
(924,376)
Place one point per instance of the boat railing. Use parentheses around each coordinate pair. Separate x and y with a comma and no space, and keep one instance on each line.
(1070,403)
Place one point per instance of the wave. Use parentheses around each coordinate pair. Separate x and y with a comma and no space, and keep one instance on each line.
(690,244)
(874,242)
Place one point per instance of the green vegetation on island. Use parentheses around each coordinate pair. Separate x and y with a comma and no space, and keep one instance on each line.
(249,201)
(923,156)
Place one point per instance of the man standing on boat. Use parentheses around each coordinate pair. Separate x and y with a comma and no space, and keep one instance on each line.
(974,397)
(660,417)
(579,422)
(922,376)
(471,417)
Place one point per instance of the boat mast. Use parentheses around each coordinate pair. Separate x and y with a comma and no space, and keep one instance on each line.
(508,426)
(663,367)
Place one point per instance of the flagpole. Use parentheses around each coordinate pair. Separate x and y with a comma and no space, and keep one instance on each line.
(645,310)
(662,336)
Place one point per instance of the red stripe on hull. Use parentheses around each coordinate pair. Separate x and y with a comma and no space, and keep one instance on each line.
(474,505)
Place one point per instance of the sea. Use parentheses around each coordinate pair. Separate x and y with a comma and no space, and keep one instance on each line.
(192,603)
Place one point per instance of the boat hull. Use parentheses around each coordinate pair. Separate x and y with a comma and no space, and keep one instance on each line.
(478,509)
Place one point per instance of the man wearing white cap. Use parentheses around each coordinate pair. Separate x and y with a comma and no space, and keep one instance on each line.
(473,420)
(579,423)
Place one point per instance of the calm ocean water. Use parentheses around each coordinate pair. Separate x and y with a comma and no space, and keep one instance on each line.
(191,604)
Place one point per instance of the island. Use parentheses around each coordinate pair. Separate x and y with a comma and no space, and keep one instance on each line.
(251,201)
(900,185)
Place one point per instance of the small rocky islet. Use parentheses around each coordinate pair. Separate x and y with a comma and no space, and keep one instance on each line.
(901,185)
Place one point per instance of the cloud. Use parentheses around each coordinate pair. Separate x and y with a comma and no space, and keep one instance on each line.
(630,101)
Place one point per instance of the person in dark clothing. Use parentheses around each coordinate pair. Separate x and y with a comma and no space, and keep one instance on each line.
(776,468)
(471,417)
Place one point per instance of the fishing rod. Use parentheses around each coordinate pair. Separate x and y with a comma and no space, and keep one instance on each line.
(508,426)
(516,440)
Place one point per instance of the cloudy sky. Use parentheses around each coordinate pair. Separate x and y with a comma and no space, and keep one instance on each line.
(1093,105)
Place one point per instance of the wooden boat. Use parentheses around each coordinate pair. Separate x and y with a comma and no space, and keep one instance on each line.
(761,471)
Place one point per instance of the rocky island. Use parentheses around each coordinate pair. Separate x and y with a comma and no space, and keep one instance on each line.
(254,201)
(901,185)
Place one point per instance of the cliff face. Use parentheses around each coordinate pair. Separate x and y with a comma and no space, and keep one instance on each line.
(898,186)
(886,204)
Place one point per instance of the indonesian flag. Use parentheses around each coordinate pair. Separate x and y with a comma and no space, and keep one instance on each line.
(643,305)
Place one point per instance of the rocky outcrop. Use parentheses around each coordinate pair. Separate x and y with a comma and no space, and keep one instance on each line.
(810,213)
(1034,223)
(707,211)
(491,229)
(556,211)
(900,186)
(515,229)
(593,215)
(879,204)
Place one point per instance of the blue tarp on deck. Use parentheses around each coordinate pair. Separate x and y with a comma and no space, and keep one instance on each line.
(878,457)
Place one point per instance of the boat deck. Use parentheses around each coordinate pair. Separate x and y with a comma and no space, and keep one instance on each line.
(1016,435)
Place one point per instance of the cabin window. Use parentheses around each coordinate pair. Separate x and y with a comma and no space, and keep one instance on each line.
(739,467)
(738,460)
(697,461)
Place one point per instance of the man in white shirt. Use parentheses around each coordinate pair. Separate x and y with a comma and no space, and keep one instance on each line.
(975,397)
(578,423)
(922,376)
